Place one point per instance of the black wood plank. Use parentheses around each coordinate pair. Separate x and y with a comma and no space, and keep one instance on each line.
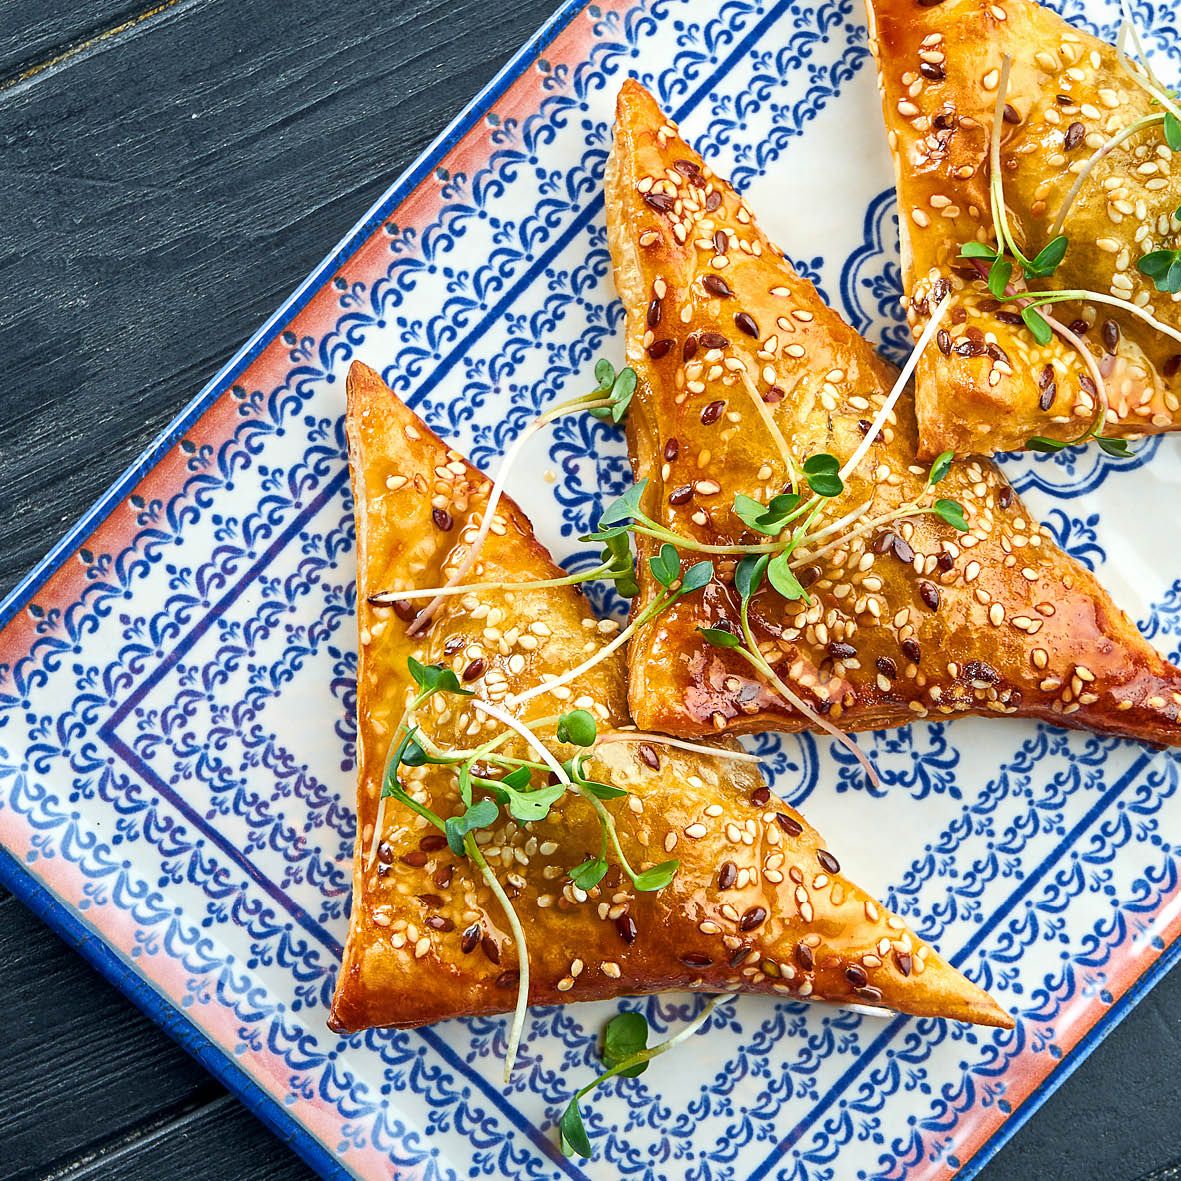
(162,190)
(34,37)
(161,198)
(218,1142)
(75,1058)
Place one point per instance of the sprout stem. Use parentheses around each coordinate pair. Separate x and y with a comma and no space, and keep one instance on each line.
(754,657)
(573,674)
(646,1055)
(772,427)
(720,752)
(518,933)
(1099,154)
(1082,295)
(903,378)
(386,598)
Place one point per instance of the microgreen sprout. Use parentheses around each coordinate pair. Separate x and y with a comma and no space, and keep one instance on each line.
(996,263)
(429,679)
(1104,150)
(772,427)
(719,752)
(823,474)
(901,382)
(577,727)
(518,934)
(951,512)
(770,518)
(625,1053)
(607,568)
(940,468)
(1163,267)
(615,388)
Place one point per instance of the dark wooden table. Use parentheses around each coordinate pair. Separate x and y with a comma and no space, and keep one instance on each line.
(168,173)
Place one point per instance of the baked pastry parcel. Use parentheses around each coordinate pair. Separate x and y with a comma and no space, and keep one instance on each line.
(918,593)
(1086,164)
(758,903)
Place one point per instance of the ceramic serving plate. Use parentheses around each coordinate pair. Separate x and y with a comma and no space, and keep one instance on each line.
(176,679)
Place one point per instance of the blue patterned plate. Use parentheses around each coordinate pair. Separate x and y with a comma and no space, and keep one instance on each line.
(176,692)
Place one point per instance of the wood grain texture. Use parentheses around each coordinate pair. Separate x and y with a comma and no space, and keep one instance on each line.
(219,1140)
(117,1072)
(160,193)
(34,37)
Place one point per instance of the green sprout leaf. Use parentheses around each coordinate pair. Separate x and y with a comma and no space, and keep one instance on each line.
(821,462)
(823,472)
(1047,260)
(719,637)
(666,565)
(625,507)
(999,275)
(977,250)
(479,815)
(577,727)
(617,556)
(621,393)
(528,806)
(697,576)
(657,877)
(391,788)
(940,467)
(621,387)
(748,574)
(626,1034)
(1173,132)
(1045,446)
(411,753)
(589,874)
(390,785)
(1036,323)
(952,512)
(604,375)
(602,791)
(575,1141)
(1163,267)
(435,678)
(779,575)
(769,518)
(1117,447)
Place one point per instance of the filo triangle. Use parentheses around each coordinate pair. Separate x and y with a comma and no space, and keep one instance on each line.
(744,375)
(989,385)
(759,903)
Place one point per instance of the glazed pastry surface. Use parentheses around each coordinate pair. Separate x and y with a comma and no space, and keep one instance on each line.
(759,904)
(989,386)
(908,618)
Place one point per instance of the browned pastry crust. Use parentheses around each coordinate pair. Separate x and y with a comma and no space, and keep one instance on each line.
(939,68)
(911,619)
(758,905)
